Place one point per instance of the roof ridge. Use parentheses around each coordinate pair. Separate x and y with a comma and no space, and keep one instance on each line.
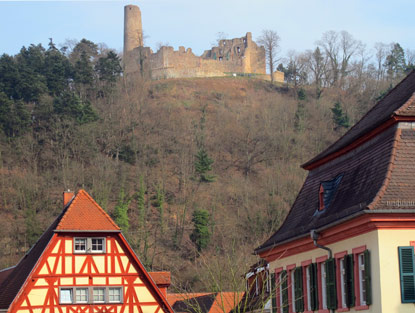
(389,170)
(353,137)
(99,207)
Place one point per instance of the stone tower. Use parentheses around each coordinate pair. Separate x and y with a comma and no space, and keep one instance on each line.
(133,30)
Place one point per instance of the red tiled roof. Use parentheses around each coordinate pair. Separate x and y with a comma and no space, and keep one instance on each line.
(204,302)
(84,214)
(161,278)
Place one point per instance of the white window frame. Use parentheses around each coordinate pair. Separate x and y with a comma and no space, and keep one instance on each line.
(90,294)
(121,294)
(362,285)
(308,286)
(88,245)
(76,295)
(71,290)
(93,295)
(74,245)
(343,282)
(323,285)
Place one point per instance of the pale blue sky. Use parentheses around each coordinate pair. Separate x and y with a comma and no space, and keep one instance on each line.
(194,24)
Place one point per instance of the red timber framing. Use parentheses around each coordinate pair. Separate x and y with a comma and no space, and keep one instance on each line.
(114,267)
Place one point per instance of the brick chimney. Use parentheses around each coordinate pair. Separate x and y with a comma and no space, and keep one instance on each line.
(162,280)
(67,197)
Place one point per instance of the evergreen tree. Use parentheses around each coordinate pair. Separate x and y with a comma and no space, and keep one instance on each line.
(203,166)
(300,115)
(58,71)
(109,67)
(159,203)
(395,62)
(69,105)
(200,235)
(121,211)
(340,118)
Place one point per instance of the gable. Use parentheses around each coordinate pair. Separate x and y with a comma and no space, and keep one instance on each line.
(84,214)
(55,267)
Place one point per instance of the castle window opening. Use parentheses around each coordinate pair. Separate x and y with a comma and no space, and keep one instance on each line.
(220,58)
(238,49)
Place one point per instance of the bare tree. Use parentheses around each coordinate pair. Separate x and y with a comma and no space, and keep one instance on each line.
(317,65)
(339,48)
(382,51)
(271,42)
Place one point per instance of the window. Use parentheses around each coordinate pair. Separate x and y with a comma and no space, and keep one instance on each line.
(362,286)
(98,294)
(81,295)
(323,285)
(66,295)
(343,287)
(97,244)
(308,286)
(292,290)
(362,281)
(89,245)
(328,190)
(407,273)
(114,294)
(80,244)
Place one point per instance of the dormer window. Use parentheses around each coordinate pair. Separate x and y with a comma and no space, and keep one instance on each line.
(327,191)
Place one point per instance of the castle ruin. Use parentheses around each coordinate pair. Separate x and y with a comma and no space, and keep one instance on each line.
(238,56)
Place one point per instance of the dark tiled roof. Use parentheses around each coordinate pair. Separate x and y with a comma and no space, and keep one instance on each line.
(201,304)
(381,112)
(364,170)
(4,273)
(12,284)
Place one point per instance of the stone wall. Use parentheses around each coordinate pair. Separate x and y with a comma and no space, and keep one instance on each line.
(231,57)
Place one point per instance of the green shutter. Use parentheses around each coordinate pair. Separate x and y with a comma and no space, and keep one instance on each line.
(284,290)
(298,289)
(273,293)
(349,269)
(368,277)
(313,287)
(331,284)
(407,273)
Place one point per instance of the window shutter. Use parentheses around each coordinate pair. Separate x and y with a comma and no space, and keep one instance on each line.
(331,284)
(313,287)
(273,293)
(298,289)
(368,277)
(350,296)
(407,273)
(284,290)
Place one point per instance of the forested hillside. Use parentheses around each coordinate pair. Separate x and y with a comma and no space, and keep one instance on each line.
(197,172)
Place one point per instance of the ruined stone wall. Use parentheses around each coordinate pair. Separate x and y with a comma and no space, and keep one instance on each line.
(230,57)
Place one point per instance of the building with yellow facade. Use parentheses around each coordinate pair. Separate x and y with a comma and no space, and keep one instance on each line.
(82,264)
(347,244)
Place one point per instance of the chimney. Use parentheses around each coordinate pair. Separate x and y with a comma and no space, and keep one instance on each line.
(67,197)
(162,280)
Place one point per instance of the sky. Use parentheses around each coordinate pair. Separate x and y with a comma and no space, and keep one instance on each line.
(195,24)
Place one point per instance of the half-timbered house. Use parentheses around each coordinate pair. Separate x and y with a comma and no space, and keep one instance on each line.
(81,264)
(347,243)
